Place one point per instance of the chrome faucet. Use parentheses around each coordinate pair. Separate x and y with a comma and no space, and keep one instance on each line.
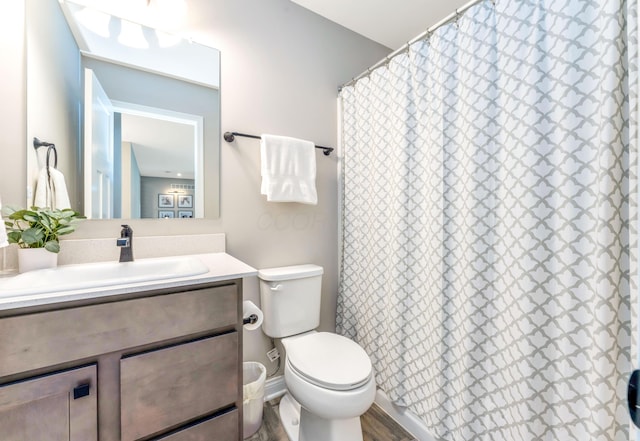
(125,242)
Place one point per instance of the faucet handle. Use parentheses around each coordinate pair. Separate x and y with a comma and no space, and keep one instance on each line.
(125,237)
(123,242)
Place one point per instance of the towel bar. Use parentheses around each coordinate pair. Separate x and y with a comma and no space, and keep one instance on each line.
(231,136)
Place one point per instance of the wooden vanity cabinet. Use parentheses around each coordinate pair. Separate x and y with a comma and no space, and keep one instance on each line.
(162,365)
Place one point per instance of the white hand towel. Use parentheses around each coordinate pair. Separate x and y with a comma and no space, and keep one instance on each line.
(4,242)
(51,190)
(288,167)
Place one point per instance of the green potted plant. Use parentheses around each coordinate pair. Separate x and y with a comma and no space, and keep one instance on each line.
(36,231)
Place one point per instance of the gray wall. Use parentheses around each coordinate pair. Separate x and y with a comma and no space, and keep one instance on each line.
(281,66)
(136,187)
(152,186)
(127,176)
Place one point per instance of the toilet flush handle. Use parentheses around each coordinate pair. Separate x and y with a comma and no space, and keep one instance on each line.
(276,287)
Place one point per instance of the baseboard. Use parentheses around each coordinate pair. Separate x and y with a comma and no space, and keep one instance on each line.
(407,419)
(274,387)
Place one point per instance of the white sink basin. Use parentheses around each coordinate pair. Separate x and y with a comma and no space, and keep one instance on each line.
(95,275)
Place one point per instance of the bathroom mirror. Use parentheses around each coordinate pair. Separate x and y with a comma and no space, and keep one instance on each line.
(147,105)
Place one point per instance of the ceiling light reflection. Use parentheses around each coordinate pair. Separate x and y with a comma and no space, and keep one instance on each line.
(169,15)
(167,40)
(131,35)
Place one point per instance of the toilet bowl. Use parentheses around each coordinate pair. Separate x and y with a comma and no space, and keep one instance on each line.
(329,377)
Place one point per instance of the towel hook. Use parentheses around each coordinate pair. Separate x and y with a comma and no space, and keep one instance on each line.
(37,143)
(52,148)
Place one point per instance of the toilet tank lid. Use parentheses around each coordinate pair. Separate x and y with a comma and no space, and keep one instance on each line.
(290,272)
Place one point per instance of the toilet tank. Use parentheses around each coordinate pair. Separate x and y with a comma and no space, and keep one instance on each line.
(290,299)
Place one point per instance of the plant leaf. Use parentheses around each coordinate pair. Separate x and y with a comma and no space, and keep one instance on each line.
(32,236)
(66,230)
(30,217)
(52,246)
(14,236)
(17,214)
(44,220)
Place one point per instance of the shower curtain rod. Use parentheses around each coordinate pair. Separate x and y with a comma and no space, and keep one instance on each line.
(230,137)
(454,16)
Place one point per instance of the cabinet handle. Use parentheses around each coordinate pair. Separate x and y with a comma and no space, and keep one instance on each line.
(81,391)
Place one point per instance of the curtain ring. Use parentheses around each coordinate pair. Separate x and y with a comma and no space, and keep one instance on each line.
(427,38)
(457,19)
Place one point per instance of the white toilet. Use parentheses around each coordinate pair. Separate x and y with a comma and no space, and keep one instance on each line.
(329,377)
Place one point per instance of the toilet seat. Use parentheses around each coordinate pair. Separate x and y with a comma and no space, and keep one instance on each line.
(329,360)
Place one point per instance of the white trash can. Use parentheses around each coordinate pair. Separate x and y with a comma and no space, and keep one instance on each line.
(254,375)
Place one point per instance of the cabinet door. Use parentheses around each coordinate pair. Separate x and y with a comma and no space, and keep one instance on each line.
(58,407)
(164,389)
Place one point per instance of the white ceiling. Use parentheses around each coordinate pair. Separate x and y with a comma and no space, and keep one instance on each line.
(157,143)
(390,23)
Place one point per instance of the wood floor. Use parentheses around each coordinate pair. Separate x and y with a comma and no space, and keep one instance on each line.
(376,426)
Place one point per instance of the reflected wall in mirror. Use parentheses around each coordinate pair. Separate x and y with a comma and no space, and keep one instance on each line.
(154,127)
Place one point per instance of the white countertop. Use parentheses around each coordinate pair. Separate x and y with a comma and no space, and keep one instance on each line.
(221,267)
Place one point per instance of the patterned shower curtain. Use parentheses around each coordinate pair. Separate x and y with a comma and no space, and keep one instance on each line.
(489,221)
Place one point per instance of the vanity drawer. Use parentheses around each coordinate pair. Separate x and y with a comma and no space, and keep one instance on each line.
(220,428)
(45,339)
(162,389)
